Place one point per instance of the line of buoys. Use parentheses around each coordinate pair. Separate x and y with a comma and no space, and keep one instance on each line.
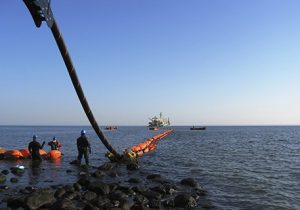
(24,154)
(150,144)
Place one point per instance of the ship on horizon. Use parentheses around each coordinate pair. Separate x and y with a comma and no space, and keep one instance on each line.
(159,121)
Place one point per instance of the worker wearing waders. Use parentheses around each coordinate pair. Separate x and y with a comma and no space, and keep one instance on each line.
(34,148)
(84,148)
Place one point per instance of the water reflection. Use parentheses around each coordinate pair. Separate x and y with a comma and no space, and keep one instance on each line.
(34,173)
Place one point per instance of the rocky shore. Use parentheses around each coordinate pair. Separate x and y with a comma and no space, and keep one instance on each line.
(110,186)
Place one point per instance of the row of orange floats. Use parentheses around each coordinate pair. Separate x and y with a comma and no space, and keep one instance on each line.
(24,154)
(150,144)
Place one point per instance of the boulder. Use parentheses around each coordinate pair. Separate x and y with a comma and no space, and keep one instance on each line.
(15,202)
(17,171)
(60,192)
(160,189)
(184,201)
(77,186)
(189,182)
(127,205)
(156,204)
(5,172)
(39,198)
(140,199)
(83,181)
(100,202)
(89,195)
(64,204)
(99,188)
(117,195)
(150,194)
(2,178)
(98,173)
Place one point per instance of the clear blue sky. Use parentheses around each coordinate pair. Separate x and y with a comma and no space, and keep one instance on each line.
(200,62)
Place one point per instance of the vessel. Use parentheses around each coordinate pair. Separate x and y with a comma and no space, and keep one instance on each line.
(197,128)
(159,121)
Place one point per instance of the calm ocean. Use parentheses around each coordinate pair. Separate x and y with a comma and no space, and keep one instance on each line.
(240,167)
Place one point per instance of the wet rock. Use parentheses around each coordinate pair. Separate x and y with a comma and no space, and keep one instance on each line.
(5,208)
(160,189)
(72,195)
(75,162)
(113,187)
(140,207)
(156,204)
(154,176)
(60,192)
(126,205)
(64,204)
(77,186)
(100,202)
(89,195)
(4,187)
(140,199)
(199,192)
(99,188)
(83,182)
(15,202)
(5,172)
(40,198)
(69,188)
(134,180)
(189,182)
(132,166)
(113,174)
(169,203)
(170,189)
(98,173)
(150,194)
(184,201)
(14,180)
(107,166)
(90,207)
(139,189)
(117,195)
(2,178)
(125,189)
(17,171)
(30,189)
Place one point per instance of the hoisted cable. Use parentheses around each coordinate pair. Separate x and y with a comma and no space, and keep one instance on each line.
(41,11)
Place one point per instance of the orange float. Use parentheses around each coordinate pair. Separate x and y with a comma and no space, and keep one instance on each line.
(25,153)
(2,151)
(43,152)
(54,154)
(16,154)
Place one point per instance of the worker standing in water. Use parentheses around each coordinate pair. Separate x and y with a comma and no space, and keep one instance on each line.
(34,148)
(54,144)
(84,148)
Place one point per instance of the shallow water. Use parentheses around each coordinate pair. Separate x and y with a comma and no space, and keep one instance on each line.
(240,167)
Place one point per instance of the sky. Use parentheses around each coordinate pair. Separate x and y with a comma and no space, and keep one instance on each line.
(199,62)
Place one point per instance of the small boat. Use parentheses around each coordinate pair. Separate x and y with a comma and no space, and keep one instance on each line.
(153,128)
(110,128)
(197,128)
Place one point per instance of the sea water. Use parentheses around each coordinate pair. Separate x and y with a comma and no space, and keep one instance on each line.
(239,167)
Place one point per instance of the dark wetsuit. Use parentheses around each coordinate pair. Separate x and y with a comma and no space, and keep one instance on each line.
(34,148)
(84,149)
